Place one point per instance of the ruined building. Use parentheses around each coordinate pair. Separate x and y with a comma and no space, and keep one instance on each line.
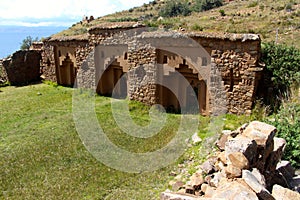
(223,70)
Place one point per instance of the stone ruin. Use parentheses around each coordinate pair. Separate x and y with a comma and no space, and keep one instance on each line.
(234,59)
(22,67)
(230,84)
(247,165)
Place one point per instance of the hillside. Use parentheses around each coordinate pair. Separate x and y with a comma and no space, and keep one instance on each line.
(273,20)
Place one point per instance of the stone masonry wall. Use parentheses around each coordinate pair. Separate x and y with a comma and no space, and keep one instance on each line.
(234,75)
(23,67)
(236,58)
(3,74)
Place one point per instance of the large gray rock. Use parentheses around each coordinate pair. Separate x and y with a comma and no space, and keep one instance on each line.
(254,184)
(276,154)
(281,193)
(238,160)
(176,196)
(234,191)
(244,145)
(261,132)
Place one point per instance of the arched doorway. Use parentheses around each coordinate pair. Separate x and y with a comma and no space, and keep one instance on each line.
(113,79)
(168,65)
(67,72)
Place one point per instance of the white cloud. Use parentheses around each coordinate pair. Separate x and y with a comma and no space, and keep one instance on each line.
(20,11)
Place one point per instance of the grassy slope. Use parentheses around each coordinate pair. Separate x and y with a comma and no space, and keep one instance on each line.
(263,17)
(42,156)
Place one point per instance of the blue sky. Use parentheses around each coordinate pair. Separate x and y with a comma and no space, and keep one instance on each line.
(58,12)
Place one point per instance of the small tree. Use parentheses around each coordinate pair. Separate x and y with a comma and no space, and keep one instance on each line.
(27,42)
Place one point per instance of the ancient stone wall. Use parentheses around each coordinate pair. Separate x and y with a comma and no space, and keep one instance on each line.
(3,74)
(236,58)
(234,69)
(56,50)
(23,67)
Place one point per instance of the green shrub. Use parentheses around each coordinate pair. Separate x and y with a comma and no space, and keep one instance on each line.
(203,5)
(175,8)
(253,4)
(222,12)
(197,27)
(282,65)
(287,122)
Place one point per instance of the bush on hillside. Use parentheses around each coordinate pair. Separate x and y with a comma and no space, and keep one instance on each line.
(282,69)
(175,8)
(203,5)
(287,122)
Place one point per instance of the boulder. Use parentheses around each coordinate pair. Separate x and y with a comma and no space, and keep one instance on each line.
(196,180)
(261,132)
(233,172)
(176,196)
(238,160)
(286,169)
(254,184)
(233,191)
(244,145)
(281,193)
(276,154)
(261,179)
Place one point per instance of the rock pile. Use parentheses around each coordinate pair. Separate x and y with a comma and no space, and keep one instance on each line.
(248,165)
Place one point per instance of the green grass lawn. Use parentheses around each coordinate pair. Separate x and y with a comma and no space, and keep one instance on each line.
(42,156)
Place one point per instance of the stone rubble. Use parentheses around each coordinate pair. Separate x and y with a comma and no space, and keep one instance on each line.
(247,166)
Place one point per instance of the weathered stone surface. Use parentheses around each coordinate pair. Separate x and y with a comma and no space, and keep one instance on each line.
(261,132)
(254,184)
(234,191)
(281,193)
(295,183)
(176,196)
(238,160)
(196,139)
(286,169)
(208,166)
(23,67)
(276,154)
(260,178)
(221,142)
(244,145)
(233,172)
(196,180)
(222,157)
(215,181)
(177,185)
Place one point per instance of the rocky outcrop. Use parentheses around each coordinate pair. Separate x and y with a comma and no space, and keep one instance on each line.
(248,165)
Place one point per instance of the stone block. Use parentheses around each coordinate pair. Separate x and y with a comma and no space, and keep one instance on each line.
(238,160)
(176,196)
(233,191)
(281,193)
(254,184)
(244,145)
(232,172)
(261,132)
